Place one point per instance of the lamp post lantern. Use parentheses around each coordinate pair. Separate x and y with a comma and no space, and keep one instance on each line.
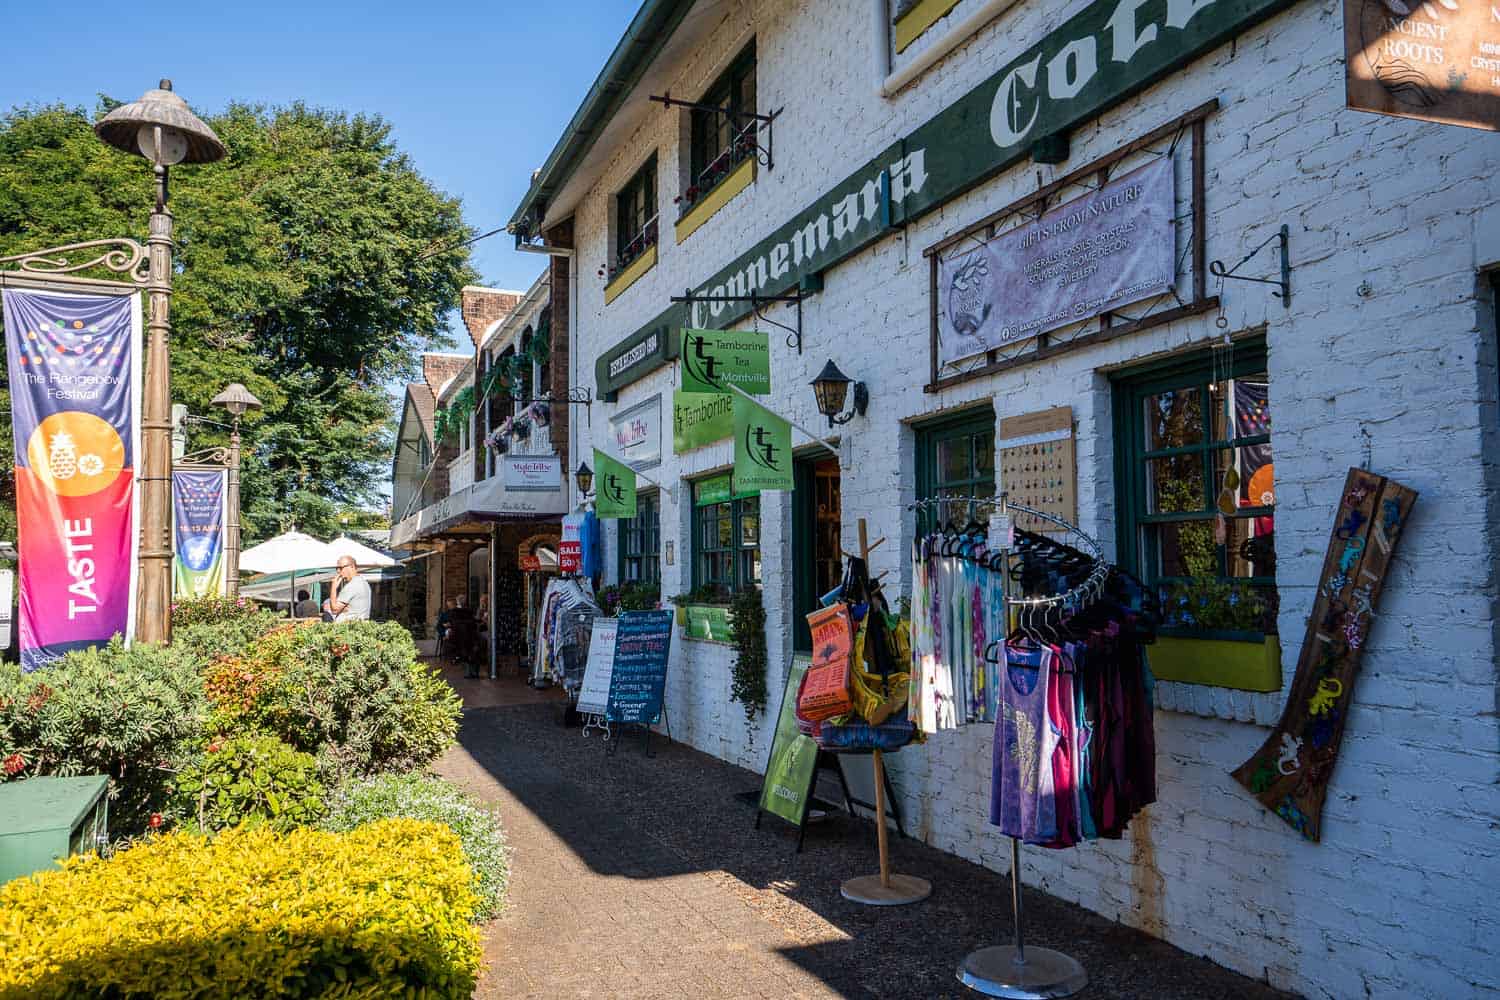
(236,399)
(161,128)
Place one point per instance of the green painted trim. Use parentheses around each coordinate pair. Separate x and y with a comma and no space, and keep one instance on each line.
(630,275)
(1244,666)
(733,183)
(915,22)
(956,150)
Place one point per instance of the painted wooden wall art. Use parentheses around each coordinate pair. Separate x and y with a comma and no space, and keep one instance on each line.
(1290,773)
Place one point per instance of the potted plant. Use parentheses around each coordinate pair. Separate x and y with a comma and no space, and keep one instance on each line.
(1219,632)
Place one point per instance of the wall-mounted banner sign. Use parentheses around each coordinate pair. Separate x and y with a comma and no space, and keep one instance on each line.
(1103,55)
(198,497)
(1083,258)
(713,358)
(762,448)
(75,413)
(643,640)
(636,433)
(532,472)
(1438,61)
(614,487)
(700,418)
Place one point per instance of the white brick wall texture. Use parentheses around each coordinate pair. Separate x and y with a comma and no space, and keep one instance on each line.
(1393,902)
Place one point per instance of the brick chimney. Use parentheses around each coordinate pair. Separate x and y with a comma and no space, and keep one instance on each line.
(483,306)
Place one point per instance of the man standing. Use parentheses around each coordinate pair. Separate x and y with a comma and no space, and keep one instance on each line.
(349,600)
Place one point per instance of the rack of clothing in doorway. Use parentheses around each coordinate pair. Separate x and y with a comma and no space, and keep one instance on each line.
(564,626)
(1034,631)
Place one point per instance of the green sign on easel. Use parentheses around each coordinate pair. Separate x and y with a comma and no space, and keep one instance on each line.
(787,790)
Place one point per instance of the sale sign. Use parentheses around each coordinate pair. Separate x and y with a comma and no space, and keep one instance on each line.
(75,412)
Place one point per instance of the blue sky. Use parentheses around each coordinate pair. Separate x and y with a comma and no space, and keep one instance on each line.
(477,92)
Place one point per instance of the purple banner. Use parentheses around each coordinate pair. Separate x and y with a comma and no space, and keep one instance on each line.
(75,413)
(1108,249)
(198,532)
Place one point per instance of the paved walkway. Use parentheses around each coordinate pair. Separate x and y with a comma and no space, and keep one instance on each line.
(643,878)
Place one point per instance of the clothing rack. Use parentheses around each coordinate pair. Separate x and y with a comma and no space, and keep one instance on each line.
(1013,970)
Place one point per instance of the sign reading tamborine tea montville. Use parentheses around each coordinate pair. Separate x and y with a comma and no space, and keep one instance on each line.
(712,359)
(1103,55)
(1437,61)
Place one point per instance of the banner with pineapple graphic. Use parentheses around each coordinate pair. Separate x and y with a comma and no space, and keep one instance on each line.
(198,532)
(75,377)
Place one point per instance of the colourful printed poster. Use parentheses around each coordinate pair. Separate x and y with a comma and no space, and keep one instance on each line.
(198,497)
(75,412)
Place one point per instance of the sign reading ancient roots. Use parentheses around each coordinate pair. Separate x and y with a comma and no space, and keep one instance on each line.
(198,497)
(75,413)
(1290,773)
(1108,249)
(638,681)
(1437,60)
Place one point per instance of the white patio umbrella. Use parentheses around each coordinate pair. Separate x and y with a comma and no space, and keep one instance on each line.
(290,552)
(362,554)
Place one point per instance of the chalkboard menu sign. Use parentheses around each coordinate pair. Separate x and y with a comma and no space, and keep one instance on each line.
(639,679)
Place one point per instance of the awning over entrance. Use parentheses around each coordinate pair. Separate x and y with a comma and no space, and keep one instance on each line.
(489,500)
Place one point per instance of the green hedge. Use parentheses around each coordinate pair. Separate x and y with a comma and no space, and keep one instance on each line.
(382,911)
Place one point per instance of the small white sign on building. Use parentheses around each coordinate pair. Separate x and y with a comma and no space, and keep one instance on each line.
(533,472)
(636,434)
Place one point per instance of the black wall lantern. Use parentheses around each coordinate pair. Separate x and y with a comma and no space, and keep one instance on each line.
(831,387)
(584,477)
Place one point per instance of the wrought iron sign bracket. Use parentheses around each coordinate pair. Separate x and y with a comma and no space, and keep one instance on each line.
(793,334)
(763,153)
(1217,269)
(578,395)
(57,265)
(217,456)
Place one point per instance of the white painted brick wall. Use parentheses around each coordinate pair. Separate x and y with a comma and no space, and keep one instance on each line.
(1393,902)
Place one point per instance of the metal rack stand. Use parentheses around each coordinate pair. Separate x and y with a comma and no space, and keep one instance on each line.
(1013,970)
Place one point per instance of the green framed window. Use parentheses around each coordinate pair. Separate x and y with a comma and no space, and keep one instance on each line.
(1195,487)
(635,214)
(955,457)
(726,536)
(714,152)
(640,541)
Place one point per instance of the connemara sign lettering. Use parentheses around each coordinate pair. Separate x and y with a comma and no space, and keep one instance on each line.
(1103,55)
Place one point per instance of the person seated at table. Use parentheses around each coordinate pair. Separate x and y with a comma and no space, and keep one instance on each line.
(305,607)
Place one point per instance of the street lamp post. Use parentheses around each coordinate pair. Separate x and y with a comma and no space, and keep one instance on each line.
(236,399)
(162,128)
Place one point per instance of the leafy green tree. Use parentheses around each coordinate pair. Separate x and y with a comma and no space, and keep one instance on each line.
(314,265)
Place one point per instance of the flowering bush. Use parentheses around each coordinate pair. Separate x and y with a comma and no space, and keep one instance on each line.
(250,780)
(211,609)
(624,597)
(382,911)
(428,797)
(134,714)
(237,685)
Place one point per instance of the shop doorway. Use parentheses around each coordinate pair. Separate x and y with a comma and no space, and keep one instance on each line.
(817,511)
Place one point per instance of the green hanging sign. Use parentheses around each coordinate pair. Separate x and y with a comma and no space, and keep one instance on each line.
(762,448)
(700,418)
(614,487)
(712,359)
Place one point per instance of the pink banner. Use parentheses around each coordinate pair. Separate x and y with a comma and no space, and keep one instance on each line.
(75,402)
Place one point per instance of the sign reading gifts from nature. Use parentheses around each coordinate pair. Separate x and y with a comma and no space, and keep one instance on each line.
(638,678)
(1083,258)
(75,414)
(1436,60)
(198,532)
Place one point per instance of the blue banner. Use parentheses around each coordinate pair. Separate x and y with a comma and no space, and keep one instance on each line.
(198,497)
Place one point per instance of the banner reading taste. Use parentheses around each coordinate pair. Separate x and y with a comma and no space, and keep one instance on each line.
(75,413)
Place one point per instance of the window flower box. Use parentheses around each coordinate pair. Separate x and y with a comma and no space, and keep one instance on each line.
(1246,661)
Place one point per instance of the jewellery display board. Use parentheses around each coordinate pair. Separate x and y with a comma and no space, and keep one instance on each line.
(1039,466)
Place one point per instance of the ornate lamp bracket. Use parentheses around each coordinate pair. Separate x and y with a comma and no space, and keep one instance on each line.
(122,256)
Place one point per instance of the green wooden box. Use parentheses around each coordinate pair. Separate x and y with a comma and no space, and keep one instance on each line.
(1249,665)
(43,820)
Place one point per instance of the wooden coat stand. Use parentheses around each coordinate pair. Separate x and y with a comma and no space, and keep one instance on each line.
(884,889)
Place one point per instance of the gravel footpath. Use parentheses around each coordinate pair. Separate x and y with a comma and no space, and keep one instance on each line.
(643,877)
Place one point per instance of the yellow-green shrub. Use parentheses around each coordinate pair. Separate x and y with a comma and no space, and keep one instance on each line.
(381,911)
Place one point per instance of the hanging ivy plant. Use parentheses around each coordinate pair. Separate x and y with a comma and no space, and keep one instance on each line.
(747,625)
(540,349)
